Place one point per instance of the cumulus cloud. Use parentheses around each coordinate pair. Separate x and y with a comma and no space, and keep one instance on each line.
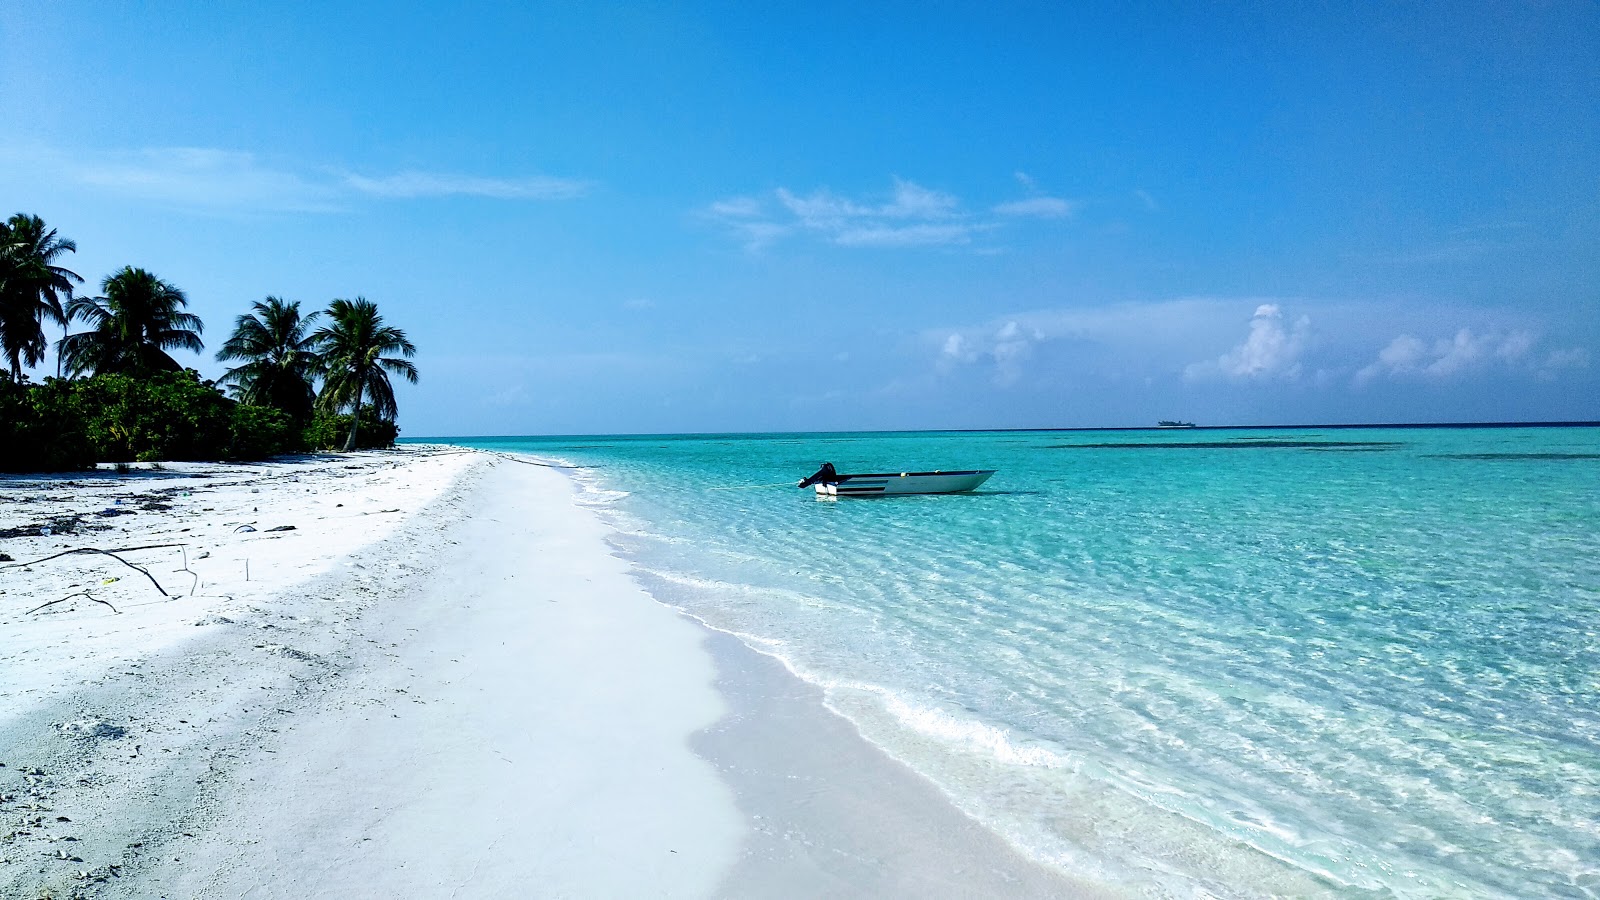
(909,215)
(207,178)
(1012,346)
(1272,349)
(1445,358)
(1007,346)
(957,349)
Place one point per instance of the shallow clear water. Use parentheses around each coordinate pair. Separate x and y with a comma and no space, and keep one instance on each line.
(1289,662)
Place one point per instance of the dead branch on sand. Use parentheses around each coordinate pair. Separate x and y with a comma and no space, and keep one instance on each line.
(70,596)
(111,553)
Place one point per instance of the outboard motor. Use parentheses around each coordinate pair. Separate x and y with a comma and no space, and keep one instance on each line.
(824,475)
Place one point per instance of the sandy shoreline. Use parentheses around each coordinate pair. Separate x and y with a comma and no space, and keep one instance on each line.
(440,683)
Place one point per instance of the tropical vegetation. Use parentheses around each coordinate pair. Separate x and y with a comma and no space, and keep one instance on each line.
(125,398)
(131,327)
(354,345)
(280,358)
(33,288)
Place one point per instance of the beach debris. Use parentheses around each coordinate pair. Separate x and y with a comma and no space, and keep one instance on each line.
(70,596)
(282,528)
(243,528)
(48,527)
(111,553)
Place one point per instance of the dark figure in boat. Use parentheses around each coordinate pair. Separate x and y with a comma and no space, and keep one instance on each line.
(825,475)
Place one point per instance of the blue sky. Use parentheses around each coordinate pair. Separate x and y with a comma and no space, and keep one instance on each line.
(598,218)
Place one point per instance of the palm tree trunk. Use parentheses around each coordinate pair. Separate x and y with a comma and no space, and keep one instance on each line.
(355,420)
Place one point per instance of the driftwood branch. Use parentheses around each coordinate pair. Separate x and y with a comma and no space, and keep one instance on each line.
(89,550)
(78,594)
(113,554)
(192,574)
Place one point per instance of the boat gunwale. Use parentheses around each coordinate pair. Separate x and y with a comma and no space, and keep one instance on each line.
(843,477)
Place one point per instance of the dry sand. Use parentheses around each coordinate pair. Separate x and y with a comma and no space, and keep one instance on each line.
(439,683)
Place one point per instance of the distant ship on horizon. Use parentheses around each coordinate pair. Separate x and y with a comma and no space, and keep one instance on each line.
(1168,423)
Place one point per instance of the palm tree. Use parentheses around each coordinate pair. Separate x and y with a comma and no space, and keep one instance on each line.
(32,288)
(354,364)
(280,357)
(132,327)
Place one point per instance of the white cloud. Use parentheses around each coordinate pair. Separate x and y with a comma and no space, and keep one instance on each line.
(1007,346)
(1570,358)
(955,348)
(904,236)
(407,185)
(1446,358)
(911,215)
(198,177)
(1271,350)
(1037,207)
(1118,339)
(912,201)
(737,207)
(205,178)
(1013,345)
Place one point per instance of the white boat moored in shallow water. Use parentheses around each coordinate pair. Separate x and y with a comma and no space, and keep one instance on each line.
(832,484)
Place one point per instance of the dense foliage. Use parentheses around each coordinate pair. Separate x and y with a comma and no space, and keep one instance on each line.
(359,353)
(32,288)
(63,425)
(128,400)
(132,327)
(41,429)
(330,431)
(279,358)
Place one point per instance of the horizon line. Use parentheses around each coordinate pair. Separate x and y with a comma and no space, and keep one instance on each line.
(1348,425)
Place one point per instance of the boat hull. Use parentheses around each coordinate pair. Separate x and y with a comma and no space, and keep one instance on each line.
(901,483)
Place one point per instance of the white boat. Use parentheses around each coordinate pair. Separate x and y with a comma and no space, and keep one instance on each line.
(885,484)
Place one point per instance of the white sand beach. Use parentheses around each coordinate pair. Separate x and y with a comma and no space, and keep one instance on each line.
(436,681)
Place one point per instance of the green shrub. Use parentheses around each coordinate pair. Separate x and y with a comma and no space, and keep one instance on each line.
(161,415)
(328,431)
(257,432)
(41,429)
(66,425)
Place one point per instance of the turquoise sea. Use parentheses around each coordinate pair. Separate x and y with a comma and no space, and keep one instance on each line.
(1353,662)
